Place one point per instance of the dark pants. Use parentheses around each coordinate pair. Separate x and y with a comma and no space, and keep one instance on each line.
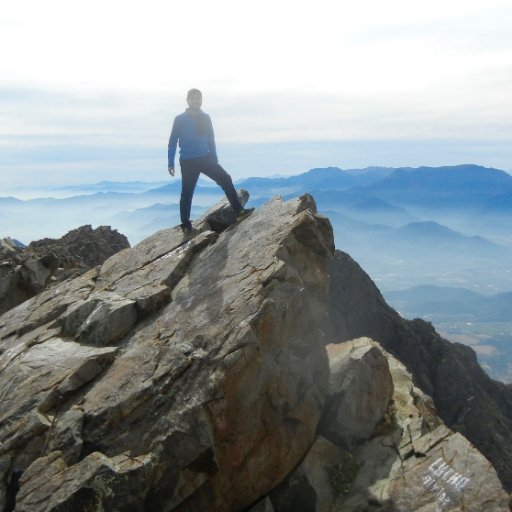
(190,170)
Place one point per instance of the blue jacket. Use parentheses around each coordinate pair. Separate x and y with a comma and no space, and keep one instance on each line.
(194,132)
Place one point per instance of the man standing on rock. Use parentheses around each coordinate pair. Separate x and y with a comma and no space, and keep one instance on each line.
(194,131)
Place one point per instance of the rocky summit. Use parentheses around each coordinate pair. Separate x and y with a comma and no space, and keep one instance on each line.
(204,372)
(27,271)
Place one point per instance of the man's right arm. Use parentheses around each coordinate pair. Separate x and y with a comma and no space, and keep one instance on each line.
(171,149)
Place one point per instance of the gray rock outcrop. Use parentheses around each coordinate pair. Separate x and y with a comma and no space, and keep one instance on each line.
(360,389)
(466,398)
(182,374)
(408,461)
(27,271)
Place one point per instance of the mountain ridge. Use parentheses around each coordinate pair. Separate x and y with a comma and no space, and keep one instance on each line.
(191,373)
(495,307)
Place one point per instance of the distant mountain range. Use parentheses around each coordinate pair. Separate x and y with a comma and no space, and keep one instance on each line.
(390,180)
(464,185)
(444,302)
(472,187)
(474,198)
(444,225)
(484,322)
(111,186)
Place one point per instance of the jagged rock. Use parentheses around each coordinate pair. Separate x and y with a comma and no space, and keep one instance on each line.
(203,393)
(360,389)
(466,398)
(409,462)
(118,481)
(423,465)
(10,246)
(218,219)
(84,246)
(27,271)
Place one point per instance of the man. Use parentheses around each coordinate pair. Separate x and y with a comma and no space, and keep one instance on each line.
(193,131)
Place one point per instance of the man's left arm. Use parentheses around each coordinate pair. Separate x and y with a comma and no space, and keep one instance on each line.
(211,141)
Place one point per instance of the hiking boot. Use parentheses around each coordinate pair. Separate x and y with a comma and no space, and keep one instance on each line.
(244,212)
(187,228)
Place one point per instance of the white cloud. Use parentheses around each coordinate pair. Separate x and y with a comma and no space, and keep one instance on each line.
(111,73)
(258,47)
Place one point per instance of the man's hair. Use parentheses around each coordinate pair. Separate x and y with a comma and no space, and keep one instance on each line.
(194,92)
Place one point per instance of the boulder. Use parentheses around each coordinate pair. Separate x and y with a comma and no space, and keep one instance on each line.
(360,390)
(185,373)
(408,461)
(27,271)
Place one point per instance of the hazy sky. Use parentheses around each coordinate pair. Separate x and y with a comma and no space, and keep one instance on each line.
(88,91)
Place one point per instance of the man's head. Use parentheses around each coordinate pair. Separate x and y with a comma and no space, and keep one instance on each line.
(194,99)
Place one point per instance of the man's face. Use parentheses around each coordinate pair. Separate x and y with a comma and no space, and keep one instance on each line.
(195,101)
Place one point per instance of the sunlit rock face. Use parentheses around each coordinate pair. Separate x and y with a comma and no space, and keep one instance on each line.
(186,373)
